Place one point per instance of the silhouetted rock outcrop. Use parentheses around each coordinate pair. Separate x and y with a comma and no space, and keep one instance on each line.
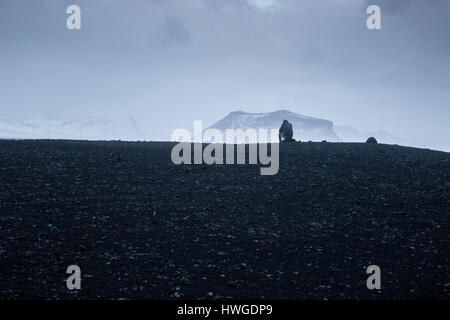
(371,140)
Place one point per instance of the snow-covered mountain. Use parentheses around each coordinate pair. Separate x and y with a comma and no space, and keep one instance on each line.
(305,128)
(86,128)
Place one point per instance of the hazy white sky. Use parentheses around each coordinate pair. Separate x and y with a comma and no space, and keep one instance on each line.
(170,62)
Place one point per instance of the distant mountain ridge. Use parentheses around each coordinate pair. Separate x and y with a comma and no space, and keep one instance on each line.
(305,128)
(56,127)
(126,128)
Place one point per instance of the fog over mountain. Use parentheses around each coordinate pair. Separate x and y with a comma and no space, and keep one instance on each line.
(78,128)
(305,128)
(169,63)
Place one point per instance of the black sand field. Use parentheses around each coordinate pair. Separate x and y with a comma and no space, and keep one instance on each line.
(141,227)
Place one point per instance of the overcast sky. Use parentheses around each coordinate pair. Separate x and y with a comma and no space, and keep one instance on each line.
(170,62)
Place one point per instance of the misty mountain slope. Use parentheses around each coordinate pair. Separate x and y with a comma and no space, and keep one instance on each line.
(305,128)
(85,128)
(351,134)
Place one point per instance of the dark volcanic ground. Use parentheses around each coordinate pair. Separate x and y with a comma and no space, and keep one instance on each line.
(141,227)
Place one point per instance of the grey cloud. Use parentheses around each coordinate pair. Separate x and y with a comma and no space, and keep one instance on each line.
(170,62)
(174,31)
